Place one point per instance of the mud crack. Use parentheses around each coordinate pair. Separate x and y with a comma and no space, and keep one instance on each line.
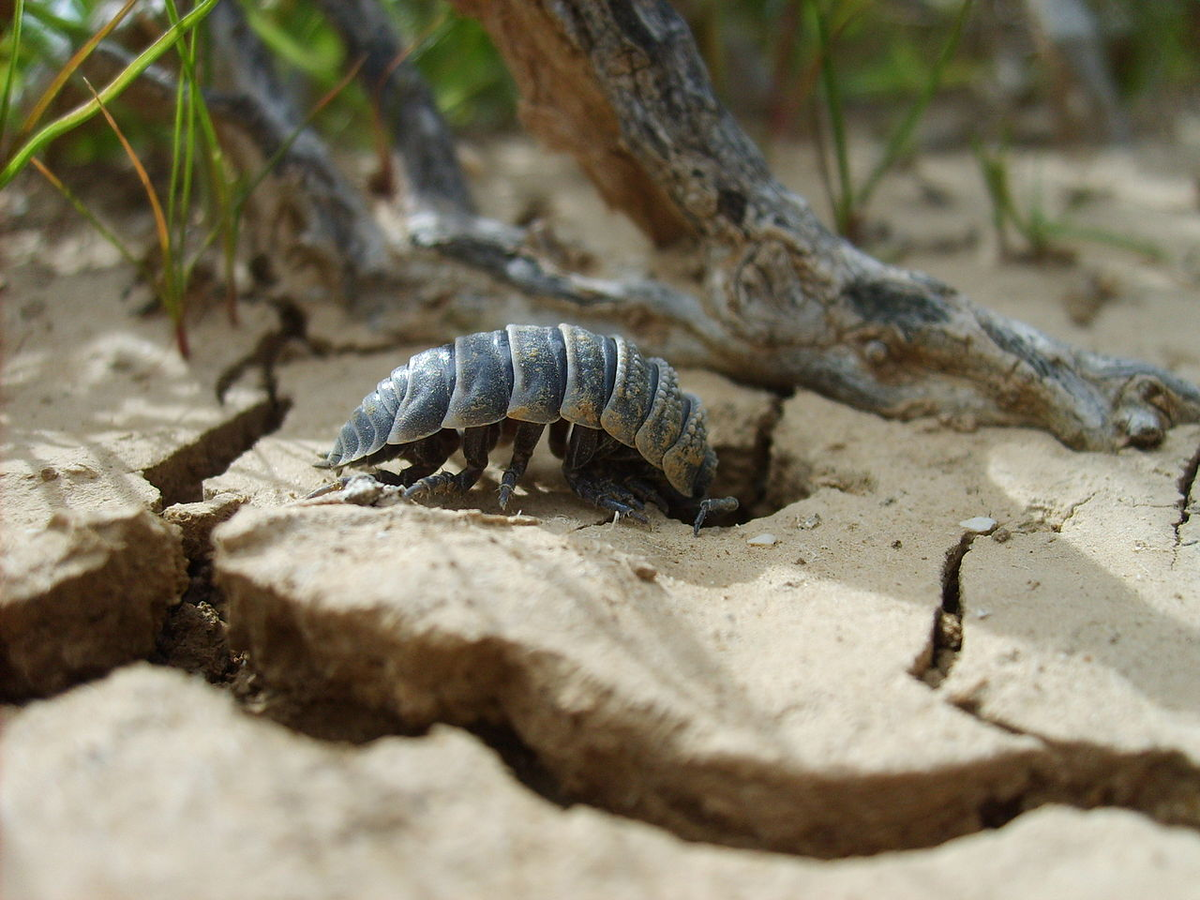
(293,326)
(838,816)
(946,640)
(745,472)
(1187,487)
(179,477)
(1072,509)
(1159,783)
(194,636)
(523,762)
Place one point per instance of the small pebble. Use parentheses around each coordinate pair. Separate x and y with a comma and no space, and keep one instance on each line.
(644,570)
(766,539)
(979,524)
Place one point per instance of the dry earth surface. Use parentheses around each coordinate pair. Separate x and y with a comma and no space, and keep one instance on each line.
(932,663)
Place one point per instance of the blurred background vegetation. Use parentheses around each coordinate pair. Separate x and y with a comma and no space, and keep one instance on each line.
(763,55)
(905,74)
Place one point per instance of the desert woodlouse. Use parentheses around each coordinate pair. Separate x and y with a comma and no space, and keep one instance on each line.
(625,431)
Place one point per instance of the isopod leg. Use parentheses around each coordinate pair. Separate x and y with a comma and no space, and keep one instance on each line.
(581,448)
(477,443)
(602,491)
(524,441)
(426,457)
(644,490)
(710,506)
(558,437)
(593,484)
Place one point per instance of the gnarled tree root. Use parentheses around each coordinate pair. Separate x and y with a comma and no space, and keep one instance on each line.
(784,302)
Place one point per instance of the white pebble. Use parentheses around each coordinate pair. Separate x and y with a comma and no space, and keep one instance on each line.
(979,524)
(766,539)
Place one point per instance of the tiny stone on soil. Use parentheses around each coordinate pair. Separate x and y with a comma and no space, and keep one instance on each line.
(644,570)
(979,524)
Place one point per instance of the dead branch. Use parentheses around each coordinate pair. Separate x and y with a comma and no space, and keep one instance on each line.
(405,103)
(796,304)
(784,303)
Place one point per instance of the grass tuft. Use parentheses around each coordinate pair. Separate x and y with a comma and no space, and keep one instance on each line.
(34,144)
(849,198)
(1043,234)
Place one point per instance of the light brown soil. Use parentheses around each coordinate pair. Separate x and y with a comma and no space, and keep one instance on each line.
(992,708)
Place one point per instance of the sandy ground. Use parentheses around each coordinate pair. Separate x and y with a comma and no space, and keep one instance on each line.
(932,661)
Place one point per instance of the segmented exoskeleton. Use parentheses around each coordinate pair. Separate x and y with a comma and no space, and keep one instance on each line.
(625,431)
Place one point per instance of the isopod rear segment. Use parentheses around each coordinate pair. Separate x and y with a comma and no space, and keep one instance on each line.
(625,431)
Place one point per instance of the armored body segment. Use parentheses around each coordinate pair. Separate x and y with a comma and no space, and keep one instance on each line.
(389,392)
(483,380)
(371,431)
(369,426)
(591,372)
(664,421)
(685,462)
(539,360)
(430,386)
(343,447)
(632,394)
(379,413)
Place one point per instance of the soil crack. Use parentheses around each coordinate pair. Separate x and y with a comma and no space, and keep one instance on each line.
(1159,783)
(1187,486)
(523,762)
(179,478)
(946,640)
(293,326)
(835,815)
(1074,508)
(755,503)
(986,794)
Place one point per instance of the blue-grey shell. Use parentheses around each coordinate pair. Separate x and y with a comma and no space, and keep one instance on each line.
(538,374)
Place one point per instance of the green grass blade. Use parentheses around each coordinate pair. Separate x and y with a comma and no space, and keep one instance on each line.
(75,30)
(10,76)
(173,178)
(200,137)
(220,188)
(85,111)
(73,64)
(82,208)
(993,166)
(1142,246)
(291,138)
(184,205)
(230,223)
(291,51)
(899,141)
(837,120)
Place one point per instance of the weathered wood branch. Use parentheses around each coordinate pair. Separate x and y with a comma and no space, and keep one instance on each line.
(306,220)
(784,303)
(426,147)
(797,305)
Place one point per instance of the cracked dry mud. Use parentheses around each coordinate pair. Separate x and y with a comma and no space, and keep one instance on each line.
(406,701)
